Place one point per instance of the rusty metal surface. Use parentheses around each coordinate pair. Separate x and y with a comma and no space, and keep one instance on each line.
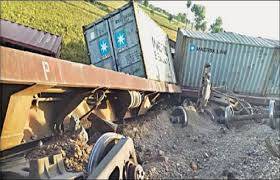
(20,67)
(30,38)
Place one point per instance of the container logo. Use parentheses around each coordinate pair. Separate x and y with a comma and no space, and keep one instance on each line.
(104,47)
(120,39)
(207,50)
(192,47)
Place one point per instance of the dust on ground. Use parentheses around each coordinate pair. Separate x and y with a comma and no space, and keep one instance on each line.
(203,149)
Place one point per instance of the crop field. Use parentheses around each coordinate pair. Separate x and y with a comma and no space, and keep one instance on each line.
(170,27)
(66,18)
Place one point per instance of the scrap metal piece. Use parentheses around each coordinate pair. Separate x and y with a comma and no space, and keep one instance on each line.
(113,156)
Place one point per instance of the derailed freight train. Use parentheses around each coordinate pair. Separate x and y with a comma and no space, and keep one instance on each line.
(54,93)
(129,44)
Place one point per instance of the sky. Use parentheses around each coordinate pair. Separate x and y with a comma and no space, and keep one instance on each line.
(253,18)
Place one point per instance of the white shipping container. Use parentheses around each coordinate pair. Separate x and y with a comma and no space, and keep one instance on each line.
(132,42)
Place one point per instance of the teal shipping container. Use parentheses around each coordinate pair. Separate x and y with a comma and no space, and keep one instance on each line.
(239,63)
(129,41)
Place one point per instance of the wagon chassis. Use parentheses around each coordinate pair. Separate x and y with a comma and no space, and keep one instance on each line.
(39,94)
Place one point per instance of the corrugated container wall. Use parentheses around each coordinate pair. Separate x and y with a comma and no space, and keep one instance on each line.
(239,63)
(129,41)
(27,38)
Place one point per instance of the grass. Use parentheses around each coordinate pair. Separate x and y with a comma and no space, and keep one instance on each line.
(66,18)
(170,27)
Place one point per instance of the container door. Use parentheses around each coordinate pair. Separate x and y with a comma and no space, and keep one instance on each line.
(126,42)
(155,47)
(99,44)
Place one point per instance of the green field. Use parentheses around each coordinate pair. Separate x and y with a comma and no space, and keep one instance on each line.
(170,27)
(66,18)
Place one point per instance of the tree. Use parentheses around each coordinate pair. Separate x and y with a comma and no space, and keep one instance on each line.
(170,17)
(217,25)
(181,17)
(199,13)
(151,6)
(146,3)
(189,3)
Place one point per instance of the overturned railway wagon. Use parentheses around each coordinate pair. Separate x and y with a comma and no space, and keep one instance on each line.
(241,64)
(120,42)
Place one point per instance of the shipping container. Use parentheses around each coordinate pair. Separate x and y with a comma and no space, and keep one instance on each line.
(239,63)
(26,38)
(131,41)
(100,50)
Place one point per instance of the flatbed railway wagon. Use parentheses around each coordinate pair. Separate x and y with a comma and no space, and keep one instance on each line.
(40,92)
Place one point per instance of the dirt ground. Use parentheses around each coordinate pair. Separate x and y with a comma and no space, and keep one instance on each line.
(203,149)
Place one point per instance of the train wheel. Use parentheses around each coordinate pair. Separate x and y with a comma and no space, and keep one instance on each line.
(103,145)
